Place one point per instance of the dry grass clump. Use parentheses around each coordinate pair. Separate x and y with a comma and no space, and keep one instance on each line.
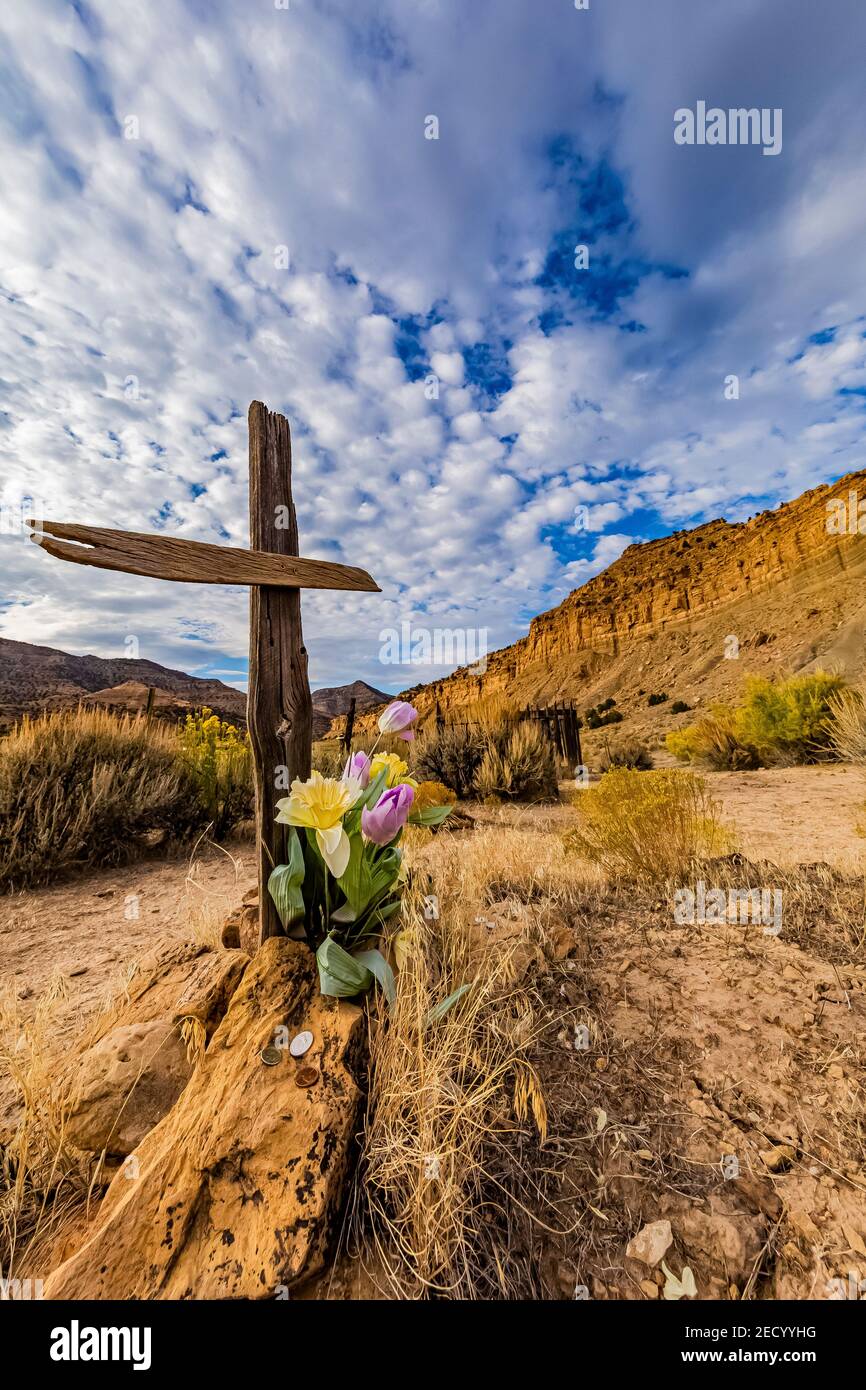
(848,725)
(626,752)
(42,1181)
(451,755)
(511,761)
(648,825)
(454,1096)
(519,764)
(85,789)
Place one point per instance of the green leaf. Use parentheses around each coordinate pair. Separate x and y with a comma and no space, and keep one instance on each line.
(430,815)
(357,882)
(378,966)
(284,884)
(385,869)
(340,975)
(439,1010)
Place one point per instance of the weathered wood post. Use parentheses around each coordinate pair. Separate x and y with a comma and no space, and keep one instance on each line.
(350,727)
(279,704)
(279,707)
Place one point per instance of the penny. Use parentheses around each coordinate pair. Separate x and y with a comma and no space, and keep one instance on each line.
(307,1076)
(270,1056)
(301,1043)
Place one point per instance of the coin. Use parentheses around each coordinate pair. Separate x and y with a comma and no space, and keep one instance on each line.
(301,1043)
(307,1076)
(270,1056)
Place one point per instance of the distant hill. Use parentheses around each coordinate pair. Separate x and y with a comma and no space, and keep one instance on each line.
(35,679)
(332,701)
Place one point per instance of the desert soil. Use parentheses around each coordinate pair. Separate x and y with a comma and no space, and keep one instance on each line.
(707,1041)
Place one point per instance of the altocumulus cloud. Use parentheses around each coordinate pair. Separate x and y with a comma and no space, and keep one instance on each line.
(280,228)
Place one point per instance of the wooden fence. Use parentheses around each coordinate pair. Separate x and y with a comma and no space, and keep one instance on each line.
(560,723)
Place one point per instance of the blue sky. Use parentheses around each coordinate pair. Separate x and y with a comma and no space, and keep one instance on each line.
(282,229)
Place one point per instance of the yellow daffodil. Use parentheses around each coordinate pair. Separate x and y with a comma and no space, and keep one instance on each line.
(320,805)
(397,769)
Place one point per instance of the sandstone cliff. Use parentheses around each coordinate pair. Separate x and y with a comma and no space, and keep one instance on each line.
(688,615)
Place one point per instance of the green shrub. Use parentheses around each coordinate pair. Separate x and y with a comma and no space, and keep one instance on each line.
(789,721)
(782,722)
(519,764)
(679,707)
(451,754)
(656,699)
(602,715)
(85,789)
(713,742)
(654,826)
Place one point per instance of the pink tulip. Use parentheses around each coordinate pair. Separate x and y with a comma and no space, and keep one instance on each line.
(358,767)
(381,823)
(397,718)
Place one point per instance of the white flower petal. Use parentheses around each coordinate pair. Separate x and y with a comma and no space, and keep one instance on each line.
(335,848)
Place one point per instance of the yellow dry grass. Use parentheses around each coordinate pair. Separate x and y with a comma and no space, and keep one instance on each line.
(41,1179)
(453,1091)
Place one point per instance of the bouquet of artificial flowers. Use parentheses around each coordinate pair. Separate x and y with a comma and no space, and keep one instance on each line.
(340,884)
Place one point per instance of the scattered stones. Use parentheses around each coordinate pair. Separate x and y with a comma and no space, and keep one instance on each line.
(779,1157)
(651,1244)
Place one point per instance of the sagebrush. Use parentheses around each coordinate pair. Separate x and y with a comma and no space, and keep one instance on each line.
(85,789)
(652,826)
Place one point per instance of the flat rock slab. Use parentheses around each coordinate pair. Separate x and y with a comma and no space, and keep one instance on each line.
(238,1187)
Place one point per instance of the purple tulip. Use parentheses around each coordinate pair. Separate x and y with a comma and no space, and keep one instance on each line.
(358,766)
(397,718)
(389,815)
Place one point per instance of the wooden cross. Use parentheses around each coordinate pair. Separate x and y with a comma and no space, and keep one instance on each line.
(279,705)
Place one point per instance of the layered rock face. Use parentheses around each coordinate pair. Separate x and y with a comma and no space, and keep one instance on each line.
(790,589)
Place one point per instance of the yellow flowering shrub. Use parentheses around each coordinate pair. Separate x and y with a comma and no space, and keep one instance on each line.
(220,759)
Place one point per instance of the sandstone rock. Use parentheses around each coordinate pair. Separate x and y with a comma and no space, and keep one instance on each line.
(239,1185)
(651,1244)
(778,1158)
(134,1064)
(178,979)
(241,928)
(125,1084)
(728,1239)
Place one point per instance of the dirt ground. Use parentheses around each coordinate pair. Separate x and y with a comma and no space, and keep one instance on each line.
(707,1043)
(81,939)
